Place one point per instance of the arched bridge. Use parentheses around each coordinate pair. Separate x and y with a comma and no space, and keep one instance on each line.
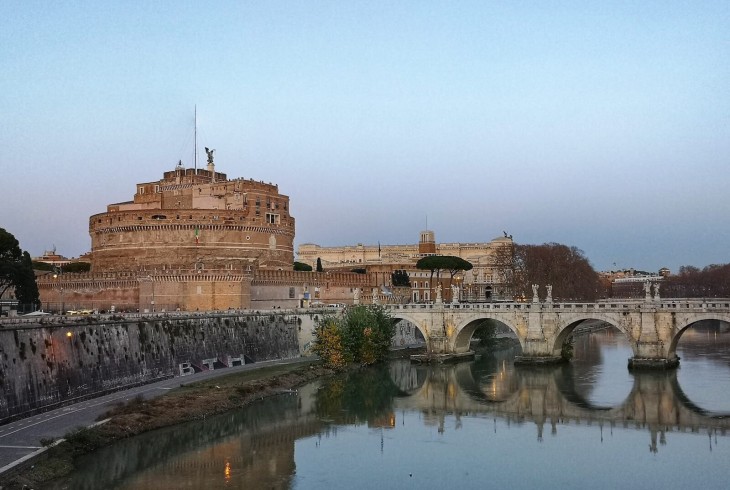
(652,326)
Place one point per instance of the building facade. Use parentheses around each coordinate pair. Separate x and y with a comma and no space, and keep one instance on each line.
(486,281)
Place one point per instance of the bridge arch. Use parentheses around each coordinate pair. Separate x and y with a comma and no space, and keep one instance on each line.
(685,322)
(412,319)
(469,323)
(572,321)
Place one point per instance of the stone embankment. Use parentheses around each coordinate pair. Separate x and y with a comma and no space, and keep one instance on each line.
(46,365)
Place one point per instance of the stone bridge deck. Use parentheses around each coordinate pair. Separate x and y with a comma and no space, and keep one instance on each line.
(652,326)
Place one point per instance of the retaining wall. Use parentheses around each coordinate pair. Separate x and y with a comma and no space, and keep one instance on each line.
(46,365)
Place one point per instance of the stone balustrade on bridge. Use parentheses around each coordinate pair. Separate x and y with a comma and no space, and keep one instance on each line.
(652,326)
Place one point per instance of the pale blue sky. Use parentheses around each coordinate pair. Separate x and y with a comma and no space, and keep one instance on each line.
(603,125)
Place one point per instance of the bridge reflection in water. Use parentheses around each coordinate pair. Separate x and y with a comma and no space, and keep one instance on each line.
(272,443)
(547,396)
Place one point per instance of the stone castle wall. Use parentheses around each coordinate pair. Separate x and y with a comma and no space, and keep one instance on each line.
(186,239)
(48,365)
(89,291)
(197,290)
(290,289)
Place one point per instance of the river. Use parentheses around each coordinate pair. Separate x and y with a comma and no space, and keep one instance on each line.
(481,424)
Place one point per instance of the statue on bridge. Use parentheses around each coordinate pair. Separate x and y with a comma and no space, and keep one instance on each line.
(535,297)
(656,292)
(549,298)
(438,293)
(455,294)
(647,290)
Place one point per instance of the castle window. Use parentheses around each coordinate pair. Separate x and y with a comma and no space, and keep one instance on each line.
(291,293)
(272,219)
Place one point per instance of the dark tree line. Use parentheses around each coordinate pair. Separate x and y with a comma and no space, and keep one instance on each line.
(712,281)
(565,268)
(302,267)
(72,267)
(16,271)
(449,263)
(399,278)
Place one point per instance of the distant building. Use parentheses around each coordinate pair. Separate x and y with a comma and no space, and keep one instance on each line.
(629,283)
(487,280)
(50,257)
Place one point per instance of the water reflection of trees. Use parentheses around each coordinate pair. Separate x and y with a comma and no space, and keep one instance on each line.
(363,396)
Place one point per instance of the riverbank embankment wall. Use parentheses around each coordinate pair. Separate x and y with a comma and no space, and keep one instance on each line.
(63,360)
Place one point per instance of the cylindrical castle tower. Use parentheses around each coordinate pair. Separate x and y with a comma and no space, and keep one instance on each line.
(195,219)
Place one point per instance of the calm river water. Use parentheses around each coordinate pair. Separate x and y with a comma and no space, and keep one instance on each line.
(483,424)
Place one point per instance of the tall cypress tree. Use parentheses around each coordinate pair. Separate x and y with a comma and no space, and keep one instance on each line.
(26,288)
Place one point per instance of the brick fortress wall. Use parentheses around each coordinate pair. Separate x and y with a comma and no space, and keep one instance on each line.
(200,290)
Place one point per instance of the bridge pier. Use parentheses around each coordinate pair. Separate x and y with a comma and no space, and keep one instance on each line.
(538,360)
(537,351)
(653,355)
(641,363)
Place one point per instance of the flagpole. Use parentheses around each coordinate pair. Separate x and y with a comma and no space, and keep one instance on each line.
(195,157)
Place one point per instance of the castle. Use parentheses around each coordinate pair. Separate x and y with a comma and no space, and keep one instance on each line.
(194,240)
(195,219)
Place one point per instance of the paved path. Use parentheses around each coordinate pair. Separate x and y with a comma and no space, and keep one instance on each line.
(22,438)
